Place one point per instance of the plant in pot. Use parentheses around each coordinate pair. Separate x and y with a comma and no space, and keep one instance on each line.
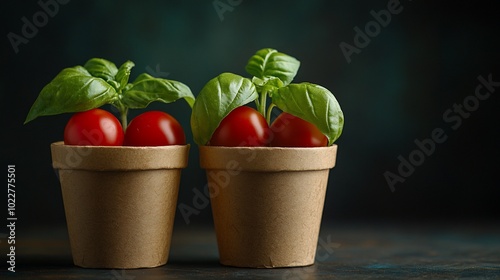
(119,180)
(267,180)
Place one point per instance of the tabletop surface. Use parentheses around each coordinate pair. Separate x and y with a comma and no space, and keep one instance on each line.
(461,251)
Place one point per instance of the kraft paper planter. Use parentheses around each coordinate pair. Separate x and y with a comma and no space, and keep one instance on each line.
(267,202)
(119,202)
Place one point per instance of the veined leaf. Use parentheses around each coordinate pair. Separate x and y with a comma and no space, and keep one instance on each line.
(216,100)
(314,104)
(146,89)
(101,68)
(268,63)
(72,90)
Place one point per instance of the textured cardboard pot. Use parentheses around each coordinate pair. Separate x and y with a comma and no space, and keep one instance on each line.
(120,202)
(267,203)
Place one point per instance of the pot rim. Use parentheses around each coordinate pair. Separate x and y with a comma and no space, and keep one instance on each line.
(116,158)
(268,158)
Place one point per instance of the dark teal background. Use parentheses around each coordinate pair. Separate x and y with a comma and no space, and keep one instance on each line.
(393,92)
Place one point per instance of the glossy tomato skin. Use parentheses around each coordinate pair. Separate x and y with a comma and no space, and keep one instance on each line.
(242,127)
(291,131)
(154,128)
(95,127)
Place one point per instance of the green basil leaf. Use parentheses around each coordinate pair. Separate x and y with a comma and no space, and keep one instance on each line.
(314,104)
(146,89)
(123,73)
(72,90)
(271,81)
(271,63)
(267,84)
(216,100)
(101,68)
(114,84)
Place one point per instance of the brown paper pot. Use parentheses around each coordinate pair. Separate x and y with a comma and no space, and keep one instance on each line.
(267,203)
(120,202)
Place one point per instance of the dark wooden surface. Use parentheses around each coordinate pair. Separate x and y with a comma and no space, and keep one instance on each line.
(463,251)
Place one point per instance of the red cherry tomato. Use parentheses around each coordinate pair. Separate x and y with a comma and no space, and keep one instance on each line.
(291,131)
(95,127)
(154,128)
(243,127)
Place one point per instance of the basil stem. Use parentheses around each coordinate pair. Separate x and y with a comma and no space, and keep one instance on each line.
(269,111)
